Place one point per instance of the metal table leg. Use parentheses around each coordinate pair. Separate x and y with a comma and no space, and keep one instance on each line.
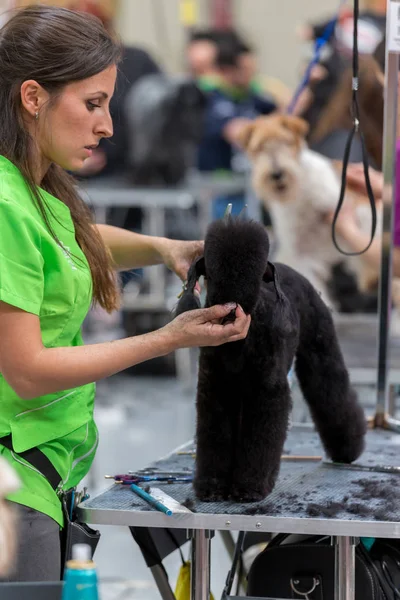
(345,568)
(162,583)
(200,574)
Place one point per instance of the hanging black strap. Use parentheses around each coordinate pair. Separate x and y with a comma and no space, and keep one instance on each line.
(235,561)
(37,459)
(356,130)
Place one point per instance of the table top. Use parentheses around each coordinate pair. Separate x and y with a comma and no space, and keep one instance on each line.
(309,498)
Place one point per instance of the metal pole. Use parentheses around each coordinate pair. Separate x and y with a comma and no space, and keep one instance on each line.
(162,583)
(389,171)
(200,568)
(344,568)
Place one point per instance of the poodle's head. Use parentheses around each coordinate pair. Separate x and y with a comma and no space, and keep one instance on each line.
(234,264)
(273,145)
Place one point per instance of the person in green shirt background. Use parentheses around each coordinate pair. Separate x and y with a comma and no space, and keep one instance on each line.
(57,76)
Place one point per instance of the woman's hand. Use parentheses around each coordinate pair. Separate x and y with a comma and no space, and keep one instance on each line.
(203,327)
(178,255)
(346,223)
(356,179)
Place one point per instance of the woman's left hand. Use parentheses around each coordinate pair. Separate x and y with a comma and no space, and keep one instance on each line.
(178,255)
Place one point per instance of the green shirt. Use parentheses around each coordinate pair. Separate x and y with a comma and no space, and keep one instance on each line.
(52,281)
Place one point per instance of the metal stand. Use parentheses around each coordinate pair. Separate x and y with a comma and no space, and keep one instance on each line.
(382,417)
(200,573)
(162,583)
(344,568)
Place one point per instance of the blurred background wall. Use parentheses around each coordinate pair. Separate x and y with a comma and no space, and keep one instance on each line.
(156,25)
(268,25)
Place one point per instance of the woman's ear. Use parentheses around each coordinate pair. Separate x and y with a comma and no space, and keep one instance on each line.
(33,97)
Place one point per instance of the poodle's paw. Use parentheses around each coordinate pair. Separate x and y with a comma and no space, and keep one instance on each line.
(210,490)
(349,452)
(348,446)
(250,493)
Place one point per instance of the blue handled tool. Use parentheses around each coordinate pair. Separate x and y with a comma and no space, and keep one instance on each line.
(151,500)
(167,478)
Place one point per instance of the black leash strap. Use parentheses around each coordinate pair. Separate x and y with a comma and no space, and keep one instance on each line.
(37,459)
(356,130)
(236,558)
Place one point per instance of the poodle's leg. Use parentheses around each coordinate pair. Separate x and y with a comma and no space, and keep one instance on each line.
(324,381)
(216,423)
(265,414)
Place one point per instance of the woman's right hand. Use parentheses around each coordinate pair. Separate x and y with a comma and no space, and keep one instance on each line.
(356,179)
(203,327)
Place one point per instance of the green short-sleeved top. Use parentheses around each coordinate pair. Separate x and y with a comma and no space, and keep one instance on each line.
(53,281)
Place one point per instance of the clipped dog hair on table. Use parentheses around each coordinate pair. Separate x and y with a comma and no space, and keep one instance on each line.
(243,395)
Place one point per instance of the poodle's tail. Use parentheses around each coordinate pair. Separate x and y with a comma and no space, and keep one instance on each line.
(325,384)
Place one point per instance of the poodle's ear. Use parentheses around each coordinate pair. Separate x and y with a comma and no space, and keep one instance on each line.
(282,315)
(197,269)
(298,126)
(244,135)
(188,300)
(269,273)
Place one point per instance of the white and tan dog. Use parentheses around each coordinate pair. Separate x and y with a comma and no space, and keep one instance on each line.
(299,188)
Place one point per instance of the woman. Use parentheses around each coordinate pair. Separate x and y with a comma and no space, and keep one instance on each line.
(57,76)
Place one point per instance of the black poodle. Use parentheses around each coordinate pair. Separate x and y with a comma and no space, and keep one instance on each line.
(243,397)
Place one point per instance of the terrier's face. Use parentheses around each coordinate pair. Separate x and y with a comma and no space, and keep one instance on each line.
(273,144)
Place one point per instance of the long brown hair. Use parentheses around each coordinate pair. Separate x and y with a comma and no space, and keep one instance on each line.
(337,113)
(55,47)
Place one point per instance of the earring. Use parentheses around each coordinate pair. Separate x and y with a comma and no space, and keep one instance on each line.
(36,115)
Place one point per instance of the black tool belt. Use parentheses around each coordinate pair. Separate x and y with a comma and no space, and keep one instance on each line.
(38,460)
(74,531)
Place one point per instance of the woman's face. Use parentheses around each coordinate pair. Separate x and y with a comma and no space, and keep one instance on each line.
(67,132)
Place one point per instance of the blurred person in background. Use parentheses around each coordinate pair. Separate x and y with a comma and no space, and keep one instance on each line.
(231,102)
(201,51)
(110,157)
(337,53)
(346,224)
(201,54)
(331,132)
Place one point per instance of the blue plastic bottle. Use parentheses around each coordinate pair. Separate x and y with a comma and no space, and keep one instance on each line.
(80,579)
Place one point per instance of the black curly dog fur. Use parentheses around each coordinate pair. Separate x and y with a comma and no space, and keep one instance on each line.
(243,397)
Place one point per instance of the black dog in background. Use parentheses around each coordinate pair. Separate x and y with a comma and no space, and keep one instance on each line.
(243,397)
(165,122)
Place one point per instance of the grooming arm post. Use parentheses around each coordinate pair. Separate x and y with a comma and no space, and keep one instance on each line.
(200,567)
(345,548)
(389,171)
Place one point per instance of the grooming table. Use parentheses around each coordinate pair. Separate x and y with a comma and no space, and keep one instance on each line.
(309,498)
(358,337)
